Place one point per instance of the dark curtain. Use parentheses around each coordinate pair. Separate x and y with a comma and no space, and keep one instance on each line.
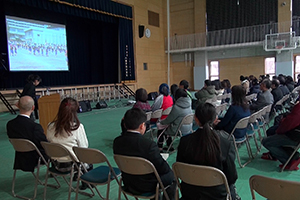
(226,14)
(296,8)
(92,40)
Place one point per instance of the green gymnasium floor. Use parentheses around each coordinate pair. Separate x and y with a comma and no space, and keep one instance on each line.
(102,126)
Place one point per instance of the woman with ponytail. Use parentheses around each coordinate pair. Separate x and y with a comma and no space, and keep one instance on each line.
(206,147)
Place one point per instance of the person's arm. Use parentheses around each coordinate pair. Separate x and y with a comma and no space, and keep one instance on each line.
(227,118)
(39,136)
(291,121)
(82,139)
(171,117)
(258,103)
(199,94)
(229,167)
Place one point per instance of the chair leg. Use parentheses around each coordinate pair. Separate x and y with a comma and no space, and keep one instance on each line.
(291,156)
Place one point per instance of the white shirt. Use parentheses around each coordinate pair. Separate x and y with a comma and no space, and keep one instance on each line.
(78,139)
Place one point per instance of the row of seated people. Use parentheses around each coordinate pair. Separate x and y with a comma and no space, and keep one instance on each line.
(67,130)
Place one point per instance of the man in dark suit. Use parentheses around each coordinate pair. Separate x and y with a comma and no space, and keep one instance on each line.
(22,127)
(132,143)
(276,92)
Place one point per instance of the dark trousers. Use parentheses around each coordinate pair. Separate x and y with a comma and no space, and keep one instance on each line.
(162,138)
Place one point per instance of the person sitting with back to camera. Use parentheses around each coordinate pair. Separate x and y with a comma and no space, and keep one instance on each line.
(207,92)
(181,108)
(133,143)
(163,101)
(264,98)
(67,130)
(206,147)
(237,110)
(141,97)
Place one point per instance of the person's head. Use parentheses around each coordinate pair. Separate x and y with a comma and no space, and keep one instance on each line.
(275,84)
(281,80)
(228,84)
(275,78)
(164,89)
(26,105)
(217,84)
(265,85)
(207,144)
(134,119)
(251,77)
(242,78)
(238,94)
(289,80)
(184,84)
(174,87)
(35,79)
(207,83)
(255,82)
(66,119)
(180,93)
(141,95)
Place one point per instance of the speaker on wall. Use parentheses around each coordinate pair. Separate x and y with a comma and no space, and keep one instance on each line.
(141,31)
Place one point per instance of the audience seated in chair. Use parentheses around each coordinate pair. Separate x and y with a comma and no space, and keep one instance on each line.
(67,130)
(276,91)
(133,143)
(207,92)
(141,97)
(206,147)
(289,82)
(283,135)
(22,127)
(227,89)
(174,87)
(184,84)
(264,98)
(163,101)
(238,110)
(254,89)
(282,85)
(181,108)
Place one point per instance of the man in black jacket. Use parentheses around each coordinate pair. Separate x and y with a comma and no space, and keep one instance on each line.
(276,91)
(132,143)
(22,127)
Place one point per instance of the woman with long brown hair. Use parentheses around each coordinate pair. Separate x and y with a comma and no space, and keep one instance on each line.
(206,147)
(66,128)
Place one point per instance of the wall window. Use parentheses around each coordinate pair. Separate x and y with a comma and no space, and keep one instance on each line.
(297,67)
(270,66)
(214,70)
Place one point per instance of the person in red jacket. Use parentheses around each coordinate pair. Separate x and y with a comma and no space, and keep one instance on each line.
(287,134)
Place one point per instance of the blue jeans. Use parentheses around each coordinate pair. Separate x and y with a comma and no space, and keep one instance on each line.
(275,145)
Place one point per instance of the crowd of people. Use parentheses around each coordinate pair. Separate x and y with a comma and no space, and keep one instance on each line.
(203,146)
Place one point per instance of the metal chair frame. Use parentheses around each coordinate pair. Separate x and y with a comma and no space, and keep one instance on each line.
(139,166)
(24,145)
(199,175)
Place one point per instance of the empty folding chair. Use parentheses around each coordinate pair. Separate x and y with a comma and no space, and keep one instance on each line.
(24,145)
(274,189)
(139,166)
(199,175)
(101,175)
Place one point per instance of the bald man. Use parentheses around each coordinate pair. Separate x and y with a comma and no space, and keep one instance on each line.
(22,127)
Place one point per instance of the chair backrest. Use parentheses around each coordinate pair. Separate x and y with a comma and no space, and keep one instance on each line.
(188,119)
(167,111)
(134,165)
(24,145)
(88,155)
(156,114)
(274,189)
(199,175)
(242,123)
(54,150)
(149,114)
(254,116)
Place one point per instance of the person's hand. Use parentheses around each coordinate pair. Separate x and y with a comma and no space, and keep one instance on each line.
(216,121)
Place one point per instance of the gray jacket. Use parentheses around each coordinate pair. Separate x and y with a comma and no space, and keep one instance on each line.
(263,99)
(181,108)
(205,93)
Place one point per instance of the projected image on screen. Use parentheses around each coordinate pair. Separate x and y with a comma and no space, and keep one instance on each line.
(36,45)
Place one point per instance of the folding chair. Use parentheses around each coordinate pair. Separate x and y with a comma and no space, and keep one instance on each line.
(24,145)
(291,156)
(155,115)
(274,189)
(56,151)
(242,123)
(199,175)
(187,120)
(139,166)
(253,128)
(101,175)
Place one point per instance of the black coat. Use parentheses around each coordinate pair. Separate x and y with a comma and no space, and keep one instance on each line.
(24,128)
(284,90)
(277,94)
(29,90)
(134,144)
(226,164)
